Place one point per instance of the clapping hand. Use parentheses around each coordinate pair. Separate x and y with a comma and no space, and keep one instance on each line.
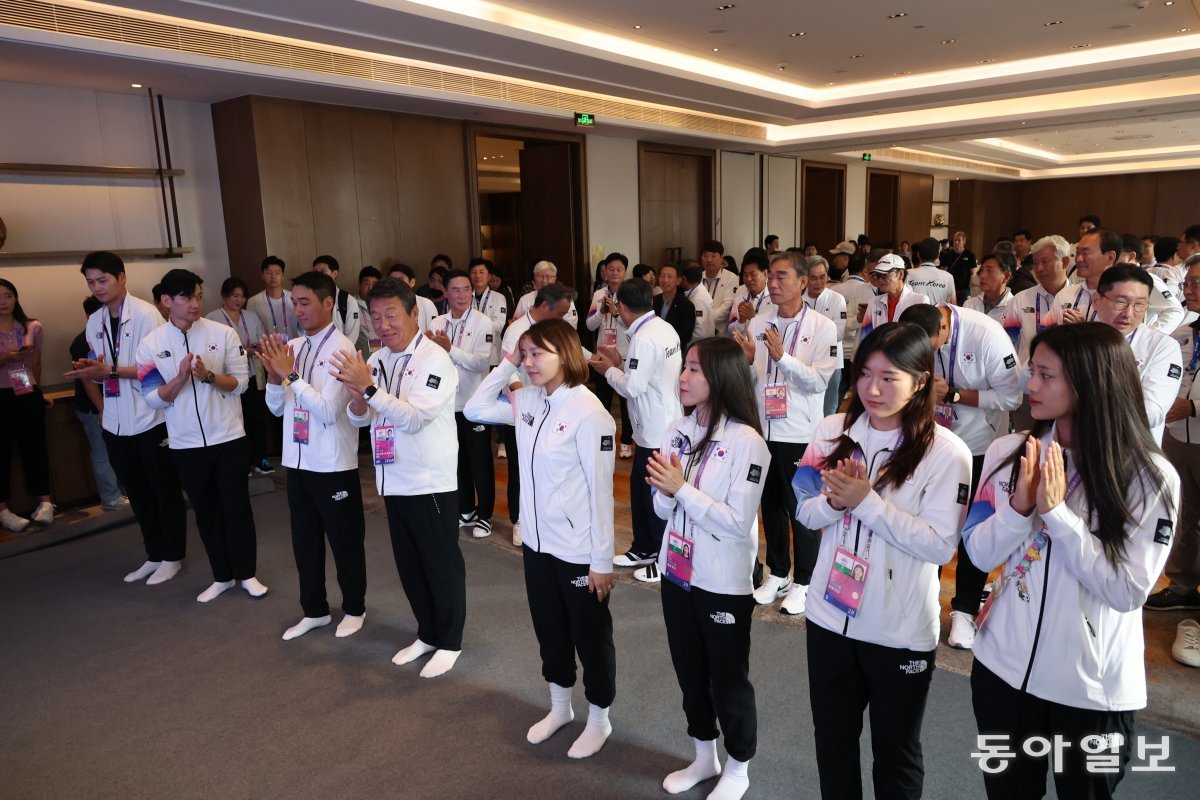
(846,485)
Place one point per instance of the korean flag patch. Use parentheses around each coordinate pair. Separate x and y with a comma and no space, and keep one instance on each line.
(755,474)
(1174,371)
(720,453)
(212,348)
(606,444)
(1010,362)
(1162,531)
(433,382)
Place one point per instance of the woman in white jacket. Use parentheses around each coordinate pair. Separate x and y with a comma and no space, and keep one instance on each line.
(565,442)
(888,488)
(1079,515)
(708,478)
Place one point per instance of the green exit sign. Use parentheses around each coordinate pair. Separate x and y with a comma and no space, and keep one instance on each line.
(585,120)
(866,156)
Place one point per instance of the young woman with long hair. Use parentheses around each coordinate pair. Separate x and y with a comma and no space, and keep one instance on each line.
(888,487)
(566,448)
(1079,514)
(708,477)
(22,408)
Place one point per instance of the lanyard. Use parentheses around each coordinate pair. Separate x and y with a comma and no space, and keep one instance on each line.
(791,351)
(481,301)
(715,283)
(245,327)
(282,307)
(1195,351)
(401,363)
(1131,336)
(1079,294)
(638,326)
(1034,551)
(459,329)
(685,445)
(1037,313)
(757,303)
(113,339)
(312,362)
(860,457)
(955,329)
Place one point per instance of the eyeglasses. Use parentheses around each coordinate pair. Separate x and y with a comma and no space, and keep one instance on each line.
(1192,283)
(1120,304)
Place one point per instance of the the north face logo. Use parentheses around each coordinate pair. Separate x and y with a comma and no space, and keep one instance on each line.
(722,618)
(580,582)
(527,418)
(914,667)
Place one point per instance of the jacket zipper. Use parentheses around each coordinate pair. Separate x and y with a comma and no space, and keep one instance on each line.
(533,474)
(195,399)
(858,524)
(1037,634)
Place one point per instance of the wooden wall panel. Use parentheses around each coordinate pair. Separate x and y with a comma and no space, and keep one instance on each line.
(431,180)
(1175,203)
(914,206)
(823,202)
(335,214)
(237,171)
(283,174)
(376,191)
(675,202)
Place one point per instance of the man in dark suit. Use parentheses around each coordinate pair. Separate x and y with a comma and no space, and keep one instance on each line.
(673,306)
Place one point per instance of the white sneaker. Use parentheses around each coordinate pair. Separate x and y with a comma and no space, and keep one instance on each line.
(795,602)
(634,559)
(773,588)
(44,514)
(962,630)
(648,573)
(1187,643)
(116,505)
(11,521)
(466,520)
(626,451)
(482,529)
(516,534)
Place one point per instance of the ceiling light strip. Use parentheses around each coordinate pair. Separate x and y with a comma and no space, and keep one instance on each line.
(107,23)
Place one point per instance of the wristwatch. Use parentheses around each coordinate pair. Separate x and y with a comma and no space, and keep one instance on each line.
(954,396)
(210,378)
(369,392)
(291,378)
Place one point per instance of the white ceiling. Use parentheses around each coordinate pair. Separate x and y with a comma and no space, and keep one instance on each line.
(1086,108)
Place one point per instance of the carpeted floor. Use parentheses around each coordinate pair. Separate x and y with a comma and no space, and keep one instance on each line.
(116,691)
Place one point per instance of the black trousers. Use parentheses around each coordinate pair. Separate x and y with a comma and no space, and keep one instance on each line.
(328,504)
(476,475)
(1003,710)
(214,478)
(845,678)
(844,381)
(968,578)
(254,417)
(605,393)
(779,516)
(23,419)
(648,527)
(508,435)
(568,619)
(424,530)
(145,468)
(709,638)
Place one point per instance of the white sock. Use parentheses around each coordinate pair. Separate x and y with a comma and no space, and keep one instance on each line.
(350,625)
(214,591)
(166,570)
(253,587)
(734,782)
(412,652)
(141,572)
(305,625)
(705,766)
(594,735)
(560,714)
(441,663)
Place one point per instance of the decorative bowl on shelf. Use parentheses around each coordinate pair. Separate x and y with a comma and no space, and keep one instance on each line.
(939,220)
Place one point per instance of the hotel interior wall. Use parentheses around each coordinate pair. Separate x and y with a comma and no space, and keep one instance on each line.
(55,125)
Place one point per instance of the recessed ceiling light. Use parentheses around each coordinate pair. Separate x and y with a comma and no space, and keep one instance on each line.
(1023,123)
(1052,23)
(1183,30)
(831,83)
(1080,46)
(918,27)
(798,33)
(1169,3)
(986,61)
(949,41)
(857,55)
(716,50)
(637,27)
(898,15)
(135,85)
(726,7)
(906,72)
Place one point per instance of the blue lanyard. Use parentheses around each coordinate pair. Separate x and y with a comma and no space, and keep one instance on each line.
(312,362)
(1195,351)
(282,308)
(955,328)
(638,326)
(401,363)
(791,351)
(481,301)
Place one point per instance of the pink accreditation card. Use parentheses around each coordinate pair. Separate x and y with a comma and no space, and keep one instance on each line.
(775,400)
(21,380)
(385,444)
(300,425)
(679,560)
(844,590)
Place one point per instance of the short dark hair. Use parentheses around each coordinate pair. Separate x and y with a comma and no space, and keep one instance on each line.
(854,266)
(1028,234)
(693,274)
(178,283)
(669,265)
(104,261)
(480,262)
(640,270)
(91,305)
(712,246)
(928,318)
(1004,260)
(1131,243)
(234,282)
(616,257)
(1191,233)
(927,249)
(1110,242)
(1165,248)
(770,240)
(1124,273)
(330,260)
(369,272)
(554,293)
(273,261)
(442,257)
(636,294)
(318,283)
(862,239)
(443,271)
(1092,218)
(455,273)
(403,269)
(391,287)
(758,257)
(874,256)
(559,337)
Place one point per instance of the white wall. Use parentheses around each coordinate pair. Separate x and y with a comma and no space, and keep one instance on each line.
(737,220)
(856,199)
(612,199)
(52,125)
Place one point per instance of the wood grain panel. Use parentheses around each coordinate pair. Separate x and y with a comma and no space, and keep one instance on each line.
(335,215)
(883,192)
(379,230)
(823,205)
(431,180)
(283,175)
(1175,203)
(675,201)
(241,194)
(914,206)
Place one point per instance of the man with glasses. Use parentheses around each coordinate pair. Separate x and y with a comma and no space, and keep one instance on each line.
(1097,251)
(1122,300)
(894,295)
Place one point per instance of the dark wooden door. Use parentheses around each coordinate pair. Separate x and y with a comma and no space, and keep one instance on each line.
(549,211)
(883,193)
(823,205)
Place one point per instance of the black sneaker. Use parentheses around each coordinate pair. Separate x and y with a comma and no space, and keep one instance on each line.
(758,574)
(264,468)
(1170,600)
(634,559)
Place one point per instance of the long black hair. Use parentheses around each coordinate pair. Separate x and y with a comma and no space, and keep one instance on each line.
(1110,433)
(18,313)
(908,347)
(730,388)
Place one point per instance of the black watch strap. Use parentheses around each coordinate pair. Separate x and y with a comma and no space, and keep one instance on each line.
(370,391)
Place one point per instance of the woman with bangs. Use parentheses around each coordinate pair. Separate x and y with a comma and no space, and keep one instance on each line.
(565,444)
(888,488)
(1079,515)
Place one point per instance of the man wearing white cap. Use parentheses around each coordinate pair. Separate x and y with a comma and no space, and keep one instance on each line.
(894,294)
(841,258)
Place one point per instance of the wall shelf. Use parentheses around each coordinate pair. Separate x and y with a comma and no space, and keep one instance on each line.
(82,171)
(131,253)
